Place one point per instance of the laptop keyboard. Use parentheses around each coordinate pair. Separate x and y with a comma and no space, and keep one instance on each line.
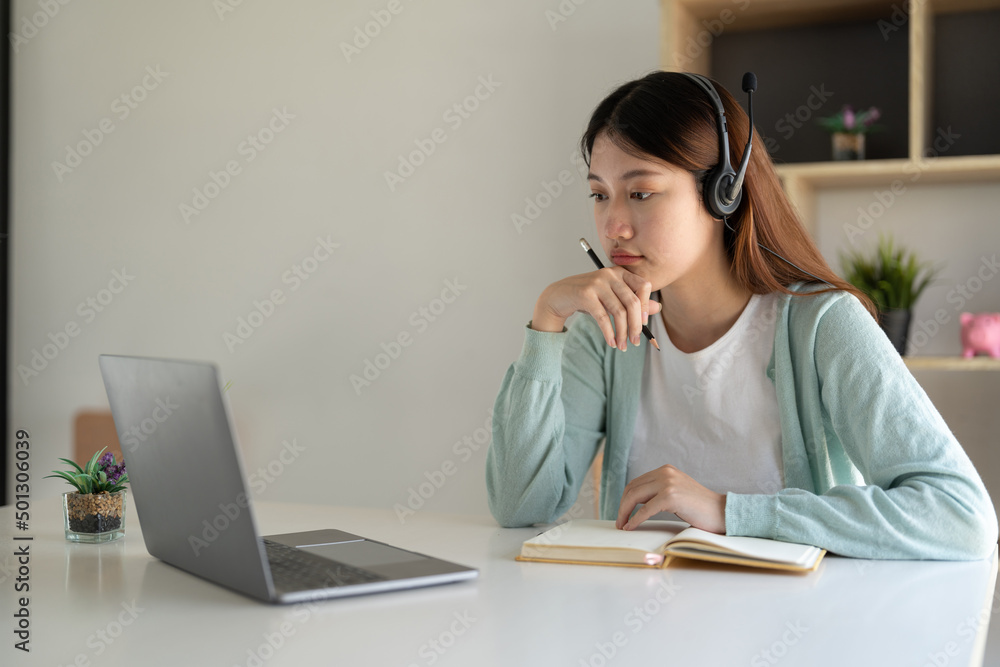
(294,569)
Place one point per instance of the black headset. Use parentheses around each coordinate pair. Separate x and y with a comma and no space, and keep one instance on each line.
(723,187)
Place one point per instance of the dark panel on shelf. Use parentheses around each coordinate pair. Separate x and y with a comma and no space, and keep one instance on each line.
(965,88)
(808,72)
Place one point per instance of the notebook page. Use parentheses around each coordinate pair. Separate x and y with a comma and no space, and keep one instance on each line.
(755,547)
(593,533)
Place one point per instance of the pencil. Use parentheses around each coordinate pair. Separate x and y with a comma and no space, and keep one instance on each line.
(597,261)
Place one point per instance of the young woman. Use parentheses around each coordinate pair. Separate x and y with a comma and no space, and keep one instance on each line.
(776,407)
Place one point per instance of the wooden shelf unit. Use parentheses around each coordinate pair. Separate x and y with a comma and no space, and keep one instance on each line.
(686,45)
(952,364)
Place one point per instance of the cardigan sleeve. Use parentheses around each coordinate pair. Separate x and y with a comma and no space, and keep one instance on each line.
(548,421)
(921,498)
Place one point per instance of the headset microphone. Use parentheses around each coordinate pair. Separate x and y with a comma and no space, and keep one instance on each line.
(749,86)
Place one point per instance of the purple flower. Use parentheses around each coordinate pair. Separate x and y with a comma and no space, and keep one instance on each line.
(849,118)
(105,461)
(872,116)
(115,472)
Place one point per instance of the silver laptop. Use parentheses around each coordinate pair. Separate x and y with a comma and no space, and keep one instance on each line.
(189,492)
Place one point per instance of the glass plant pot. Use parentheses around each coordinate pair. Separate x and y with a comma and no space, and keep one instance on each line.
(848,146)
(94,517)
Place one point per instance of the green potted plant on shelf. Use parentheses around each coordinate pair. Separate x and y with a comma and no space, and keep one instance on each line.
(848,129)
(95,512)
(894,279)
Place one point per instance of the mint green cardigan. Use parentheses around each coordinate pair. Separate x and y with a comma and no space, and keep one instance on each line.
(871,469)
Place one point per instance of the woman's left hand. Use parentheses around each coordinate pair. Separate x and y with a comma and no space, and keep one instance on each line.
(667,489)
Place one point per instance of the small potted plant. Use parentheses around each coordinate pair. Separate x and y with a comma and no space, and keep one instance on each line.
(848,129)
(95,512)
(894,279)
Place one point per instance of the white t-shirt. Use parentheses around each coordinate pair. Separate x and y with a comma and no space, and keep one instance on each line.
(713,414)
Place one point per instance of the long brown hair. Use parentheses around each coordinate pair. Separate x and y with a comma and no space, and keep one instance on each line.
(667,116)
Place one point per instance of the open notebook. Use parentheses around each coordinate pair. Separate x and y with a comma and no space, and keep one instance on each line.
(653,544)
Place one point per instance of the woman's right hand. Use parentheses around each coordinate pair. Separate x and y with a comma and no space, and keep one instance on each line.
(611,296)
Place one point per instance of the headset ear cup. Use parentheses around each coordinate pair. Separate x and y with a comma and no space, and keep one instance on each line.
(720,184)
(716,184)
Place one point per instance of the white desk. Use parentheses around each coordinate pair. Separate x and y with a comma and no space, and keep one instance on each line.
(113,604)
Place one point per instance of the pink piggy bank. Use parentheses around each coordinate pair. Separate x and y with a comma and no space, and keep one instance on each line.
(981,333)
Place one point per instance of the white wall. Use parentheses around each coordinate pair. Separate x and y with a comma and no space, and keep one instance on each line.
(343,125)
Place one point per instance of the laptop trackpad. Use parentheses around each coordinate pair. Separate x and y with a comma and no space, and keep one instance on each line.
(389,562)
(364,554)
